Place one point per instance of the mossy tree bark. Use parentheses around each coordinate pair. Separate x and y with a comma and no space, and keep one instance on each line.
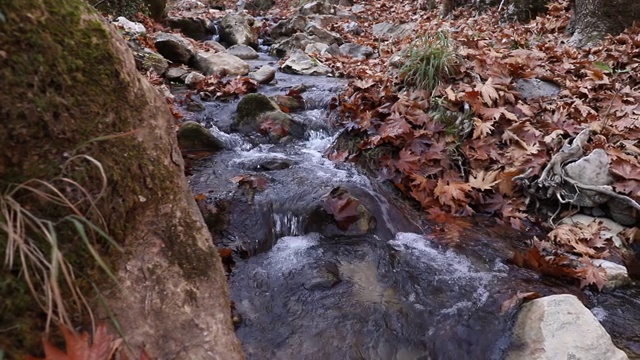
(592,19)
(69,86)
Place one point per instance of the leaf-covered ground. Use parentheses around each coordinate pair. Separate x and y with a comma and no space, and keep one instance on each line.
(463,148)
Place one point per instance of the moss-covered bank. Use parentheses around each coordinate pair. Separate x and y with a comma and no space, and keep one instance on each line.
(69,88)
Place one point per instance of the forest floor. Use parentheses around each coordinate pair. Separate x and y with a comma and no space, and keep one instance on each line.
(472,144)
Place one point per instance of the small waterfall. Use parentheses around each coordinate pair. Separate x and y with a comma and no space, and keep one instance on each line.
(288,224)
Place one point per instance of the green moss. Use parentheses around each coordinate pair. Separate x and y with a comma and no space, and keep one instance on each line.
(62,90)
(251,106)
(183,250)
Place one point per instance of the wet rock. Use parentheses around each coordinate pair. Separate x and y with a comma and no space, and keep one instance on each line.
(193,27)
(244,52)
(289,102)
(302,64)
(560,327)
(288,27)
(258,113)
(193,79)
(174,47)
(356,51)
(296,42)
(177,74)
(316,48)
(590,170)
(341,213)
(221,63)
(324,36)
(318,7)
(236,29)
(129,27)
(192,136)
(150,60)
(616,274)
(536,88)
(321,278)
(388,31)
(194,105)
(273,164)
(253,105)
(264,75)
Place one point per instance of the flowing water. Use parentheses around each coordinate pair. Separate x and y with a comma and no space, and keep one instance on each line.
(306,289)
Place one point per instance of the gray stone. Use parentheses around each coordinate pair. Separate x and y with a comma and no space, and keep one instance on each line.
(356,51)
(388,31)
(216,46)
(174,47)
(129,27)
(243,52)
(193,79)
(324,36)
(353,28)
(300,63)
(610,229)
(236,29)
(176,74)
(296,42)
(560,327)
(221,63)
(194,27)
(317,7)
(536,88)
(317,48)
(358,8)
(192,136)
(590,170)
(288,27)
(264,75)
(616,274)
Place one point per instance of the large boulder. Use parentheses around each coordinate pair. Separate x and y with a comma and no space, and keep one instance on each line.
(236,29)
(174,47)
(560,327)
(221,63)
(302,64)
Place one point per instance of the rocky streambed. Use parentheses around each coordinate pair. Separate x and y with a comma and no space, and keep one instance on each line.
(325,262)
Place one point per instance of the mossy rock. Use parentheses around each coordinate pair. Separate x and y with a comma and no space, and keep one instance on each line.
(251,107)
(192,136)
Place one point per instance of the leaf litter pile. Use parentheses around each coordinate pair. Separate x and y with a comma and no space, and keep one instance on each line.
(473,145)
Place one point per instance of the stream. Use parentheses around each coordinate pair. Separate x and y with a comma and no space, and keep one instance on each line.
(304,288)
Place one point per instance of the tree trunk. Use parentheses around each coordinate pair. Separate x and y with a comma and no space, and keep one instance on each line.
(592,19)
(69,86)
